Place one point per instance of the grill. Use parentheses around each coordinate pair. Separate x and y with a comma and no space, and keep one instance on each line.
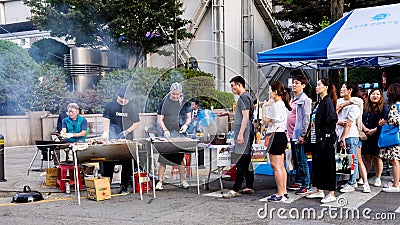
(107,152)
(174,145)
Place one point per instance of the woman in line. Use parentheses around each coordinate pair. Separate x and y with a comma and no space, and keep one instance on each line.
(374,116)
(393,153)
(358,101)
(275,115)
(323,124)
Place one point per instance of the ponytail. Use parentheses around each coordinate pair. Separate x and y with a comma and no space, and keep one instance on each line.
(286,100)
(332,94)
(281,91)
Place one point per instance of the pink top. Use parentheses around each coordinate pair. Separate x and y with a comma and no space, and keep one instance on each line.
(291,118)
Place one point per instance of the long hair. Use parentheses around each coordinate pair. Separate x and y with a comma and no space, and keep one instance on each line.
(331,90)
(281,91)
(393,93)
(372,106)
(354,86)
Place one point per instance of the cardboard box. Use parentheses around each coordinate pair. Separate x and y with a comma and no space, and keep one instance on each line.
(98,188)
(51,176)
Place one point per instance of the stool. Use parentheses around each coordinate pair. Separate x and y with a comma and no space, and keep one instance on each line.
(66,172)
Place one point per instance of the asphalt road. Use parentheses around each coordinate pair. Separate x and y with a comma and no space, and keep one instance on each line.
(179,206)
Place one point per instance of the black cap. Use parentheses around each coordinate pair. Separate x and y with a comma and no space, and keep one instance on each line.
(124,92)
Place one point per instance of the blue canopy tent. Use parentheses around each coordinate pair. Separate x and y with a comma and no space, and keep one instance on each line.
(364,37)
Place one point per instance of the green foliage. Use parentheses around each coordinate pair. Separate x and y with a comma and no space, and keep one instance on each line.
(364,75)
(324,23)
(88,101)
(49,89)
(304,16)
(49,51)
(132,27)
(150,86)
(17,70)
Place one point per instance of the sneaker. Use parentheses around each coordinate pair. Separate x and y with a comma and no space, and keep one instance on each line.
(231,194)
(360,181)
(247,191)
(159,186)
(347,188)
(316,195)
(123,190)
(184,185)
(354,185)
(295,187)
(286,196)
(275,198)
(391,189)
(366,188)
(303,191)
(328,198)
(378,182)
(388,185)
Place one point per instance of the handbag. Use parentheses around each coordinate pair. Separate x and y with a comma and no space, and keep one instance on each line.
(269,138)
(344,162)
(362,135)
(389,135)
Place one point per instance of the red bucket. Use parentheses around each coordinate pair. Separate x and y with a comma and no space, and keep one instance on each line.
(144,181)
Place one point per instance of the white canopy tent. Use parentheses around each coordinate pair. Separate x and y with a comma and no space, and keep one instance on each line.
(364,37)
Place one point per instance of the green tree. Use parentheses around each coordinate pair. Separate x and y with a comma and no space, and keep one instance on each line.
(150,85)
(49,89)
(305,16)
(49,51)
(133,27)
(17,72)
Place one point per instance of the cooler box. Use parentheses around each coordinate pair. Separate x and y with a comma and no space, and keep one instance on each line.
(98,188)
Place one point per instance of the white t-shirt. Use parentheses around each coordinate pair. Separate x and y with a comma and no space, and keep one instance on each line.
(277,112)
(350,112)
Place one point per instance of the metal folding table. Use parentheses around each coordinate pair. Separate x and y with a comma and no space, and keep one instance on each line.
(174,145)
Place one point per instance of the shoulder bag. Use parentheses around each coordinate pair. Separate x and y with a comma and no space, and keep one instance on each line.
(389,135)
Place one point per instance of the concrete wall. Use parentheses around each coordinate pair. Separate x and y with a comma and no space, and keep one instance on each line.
(16,130)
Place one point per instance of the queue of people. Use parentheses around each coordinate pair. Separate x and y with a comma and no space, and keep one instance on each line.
(333,125)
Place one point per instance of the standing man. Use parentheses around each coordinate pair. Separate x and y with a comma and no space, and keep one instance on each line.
(243,137)
(195,110)
(168,120)
(120,119)
(74,126)
(298,121)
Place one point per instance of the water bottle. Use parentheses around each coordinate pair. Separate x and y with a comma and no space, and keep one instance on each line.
(67,187)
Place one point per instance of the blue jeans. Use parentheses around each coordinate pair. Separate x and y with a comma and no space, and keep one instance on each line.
(302,165)
(352,147)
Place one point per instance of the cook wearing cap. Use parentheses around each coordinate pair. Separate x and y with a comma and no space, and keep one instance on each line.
(168,120)
(120,119)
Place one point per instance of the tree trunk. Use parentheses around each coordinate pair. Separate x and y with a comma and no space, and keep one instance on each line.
(337,7)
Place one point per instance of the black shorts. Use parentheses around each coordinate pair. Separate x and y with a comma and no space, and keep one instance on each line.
(279,144)
(171,159)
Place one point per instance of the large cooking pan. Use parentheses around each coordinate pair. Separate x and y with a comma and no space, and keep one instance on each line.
(108,152)
(174,145)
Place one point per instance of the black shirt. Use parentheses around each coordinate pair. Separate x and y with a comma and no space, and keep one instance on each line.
(122,116)
(171,110)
